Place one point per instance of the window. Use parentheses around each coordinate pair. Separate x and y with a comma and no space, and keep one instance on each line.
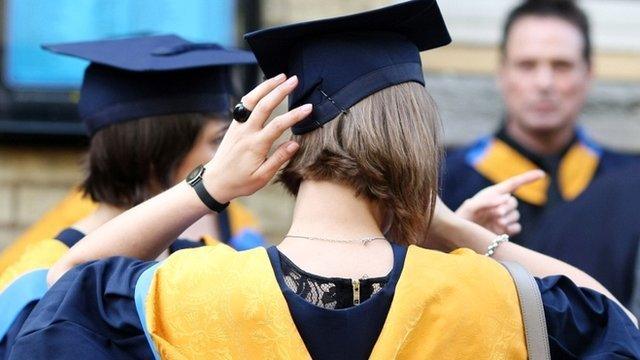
(41,87)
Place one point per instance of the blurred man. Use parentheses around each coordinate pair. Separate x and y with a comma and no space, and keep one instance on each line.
(545,73)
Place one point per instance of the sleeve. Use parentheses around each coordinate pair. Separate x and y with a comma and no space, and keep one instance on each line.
(181,244)
(89,313)
(458,180)
(582,323)
(635,292)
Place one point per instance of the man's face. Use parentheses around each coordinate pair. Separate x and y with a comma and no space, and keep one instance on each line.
(543,76)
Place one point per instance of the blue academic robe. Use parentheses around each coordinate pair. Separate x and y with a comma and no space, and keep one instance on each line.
(69,237)
(593,242)
(600,233)
(91,312)
(462,179)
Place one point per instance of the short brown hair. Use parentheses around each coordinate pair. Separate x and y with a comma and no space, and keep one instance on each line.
(566,10)
(387,148)
(131,161)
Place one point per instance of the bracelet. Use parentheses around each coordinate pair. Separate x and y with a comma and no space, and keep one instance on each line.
(495,243)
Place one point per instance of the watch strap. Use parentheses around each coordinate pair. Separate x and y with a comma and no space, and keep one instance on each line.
(206,198)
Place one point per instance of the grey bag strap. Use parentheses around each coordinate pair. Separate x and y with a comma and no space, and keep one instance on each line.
(535,325)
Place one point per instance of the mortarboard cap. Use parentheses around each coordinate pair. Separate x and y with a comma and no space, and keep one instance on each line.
(340,61)
(150,76)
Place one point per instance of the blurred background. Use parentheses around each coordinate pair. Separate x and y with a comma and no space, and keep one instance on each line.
(42,142)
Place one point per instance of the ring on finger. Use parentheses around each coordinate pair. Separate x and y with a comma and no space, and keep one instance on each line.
(241,113)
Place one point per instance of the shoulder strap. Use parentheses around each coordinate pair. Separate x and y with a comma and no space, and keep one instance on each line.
(535,326)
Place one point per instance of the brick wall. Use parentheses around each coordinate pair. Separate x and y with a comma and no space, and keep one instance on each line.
(31,181)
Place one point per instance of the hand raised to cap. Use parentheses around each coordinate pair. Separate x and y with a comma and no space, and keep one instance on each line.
(494,208)
(242,165)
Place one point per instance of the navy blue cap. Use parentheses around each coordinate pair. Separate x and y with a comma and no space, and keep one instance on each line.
(146,76)
(340,61)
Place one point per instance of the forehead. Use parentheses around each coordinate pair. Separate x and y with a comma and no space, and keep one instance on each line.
(537,36)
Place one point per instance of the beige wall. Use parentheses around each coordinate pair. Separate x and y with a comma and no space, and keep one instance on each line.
(31,181)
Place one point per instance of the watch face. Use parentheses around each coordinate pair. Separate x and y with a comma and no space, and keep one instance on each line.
(195,173)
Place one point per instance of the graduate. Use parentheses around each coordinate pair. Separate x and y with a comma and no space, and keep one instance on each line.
(544,75)
(347,281)
(155,107)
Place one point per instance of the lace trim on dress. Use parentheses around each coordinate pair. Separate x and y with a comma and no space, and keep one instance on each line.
(329,293)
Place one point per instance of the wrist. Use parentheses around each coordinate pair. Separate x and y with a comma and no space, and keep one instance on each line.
(216,187)
(209,196)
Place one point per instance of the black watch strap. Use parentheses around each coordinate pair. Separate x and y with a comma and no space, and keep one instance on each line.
(195,180)
(207,199)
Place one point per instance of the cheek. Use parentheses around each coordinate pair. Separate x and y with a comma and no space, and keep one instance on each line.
(572,85)
(197,156)
(206,153)
(573,89)
(515,90)
(515,83)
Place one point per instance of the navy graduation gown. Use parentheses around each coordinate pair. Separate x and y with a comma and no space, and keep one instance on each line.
(91,312)
(599,232)
(69,237)
(461,181)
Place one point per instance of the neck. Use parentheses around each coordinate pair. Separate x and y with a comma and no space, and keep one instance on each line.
(100,216)
(542,143)
(329,210)
(332,211)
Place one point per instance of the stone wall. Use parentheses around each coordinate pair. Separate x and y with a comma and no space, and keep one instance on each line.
(31,181)
(471,106)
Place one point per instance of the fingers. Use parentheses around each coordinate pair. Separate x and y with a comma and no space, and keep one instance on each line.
(280,124)
(509,205)
(481,203)
(251,99)
(513,229)
(510,218)
(270,101)
(274,162)
(512,184)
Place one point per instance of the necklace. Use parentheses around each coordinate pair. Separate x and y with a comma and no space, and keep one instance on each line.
(364,241)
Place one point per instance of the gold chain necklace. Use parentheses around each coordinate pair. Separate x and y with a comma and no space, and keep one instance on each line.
(364,241)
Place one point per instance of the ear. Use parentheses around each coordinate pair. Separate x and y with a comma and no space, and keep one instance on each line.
(387,222)
(591,71)
(500,73)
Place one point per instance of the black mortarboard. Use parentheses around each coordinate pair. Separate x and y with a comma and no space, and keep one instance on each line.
(150,76)
(342,60)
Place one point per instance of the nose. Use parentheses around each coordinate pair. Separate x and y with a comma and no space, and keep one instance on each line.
(544,77)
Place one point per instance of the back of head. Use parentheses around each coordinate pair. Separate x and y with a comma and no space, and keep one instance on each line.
(566,10)
(129,162)
(144,100)
(373,126)
(386,147)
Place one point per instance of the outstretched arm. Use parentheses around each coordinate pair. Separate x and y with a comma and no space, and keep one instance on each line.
(449,232)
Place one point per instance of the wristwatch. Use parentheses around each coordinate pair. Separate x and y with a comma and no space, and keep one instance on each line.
(195,180)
